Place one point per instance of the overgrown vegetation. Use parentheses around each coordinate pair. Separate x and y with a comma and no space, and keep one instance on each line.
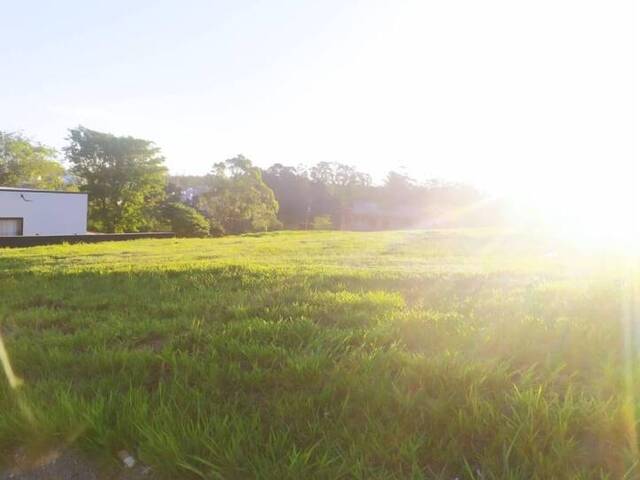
(325,355)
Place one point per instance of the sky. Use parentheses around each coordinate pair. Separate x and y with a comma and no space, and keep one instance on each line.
(515,97)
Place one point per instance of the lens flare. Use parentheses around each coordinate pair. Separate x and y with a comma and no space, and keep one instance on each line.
(12,378)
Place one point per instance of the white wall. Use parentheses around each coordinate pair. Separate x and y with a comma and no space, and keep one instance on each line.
(46,213)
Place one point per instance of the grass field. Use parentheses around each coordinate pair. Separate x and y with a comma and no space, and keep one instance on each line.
(464,354)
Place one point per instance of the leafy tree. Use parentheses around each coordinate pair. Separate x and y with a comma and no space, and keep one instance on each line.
(322,173)
(348,177)
(124,176)
(338,175)
(24,163)
(293,191)
(185,221)
(238,199)
(324,196)
(343,183)
(400,189)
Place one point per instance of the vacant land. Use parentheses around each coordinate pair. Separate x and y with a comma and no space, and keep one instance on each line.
(325,355)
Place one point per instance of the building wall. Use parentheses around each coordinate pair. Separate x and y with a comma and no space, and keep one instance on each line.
(46,213)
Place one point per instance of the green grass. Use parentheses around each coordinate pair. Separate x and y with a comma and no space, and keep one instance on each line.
(469,354)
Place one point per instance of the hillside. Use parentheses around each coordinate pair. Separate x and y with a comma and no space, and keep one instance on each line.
(469,354)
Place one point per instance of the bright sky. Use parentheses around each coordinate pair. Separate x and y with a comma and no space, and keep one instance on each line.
(513,96)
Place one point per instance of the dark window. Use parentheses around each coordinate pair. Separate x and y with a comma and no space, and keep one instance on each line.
(11,227)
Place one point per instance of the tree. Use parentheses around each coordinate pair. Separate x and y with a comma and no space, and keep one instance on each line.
(338,175)
(342,183)
(24,163)
(124,176)
(400,189)
(322,173)
(185,221)
(238,199)
(292,190)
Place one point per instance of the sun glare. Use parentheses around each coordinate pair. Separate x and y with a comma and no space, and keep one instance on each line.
(589,214)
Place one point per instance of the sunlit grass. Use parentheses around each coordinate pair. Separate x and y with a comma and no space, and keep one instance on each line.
(470,354)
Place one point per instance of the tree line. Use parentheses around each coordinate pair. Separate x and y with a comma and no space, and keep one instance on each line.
(130,190)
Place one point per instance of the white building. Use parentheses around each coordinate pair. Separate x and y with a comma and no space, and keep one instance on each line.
(25,211)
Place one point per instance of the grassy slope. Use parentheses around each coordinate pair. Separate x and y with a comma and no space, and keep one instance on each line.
(325,355)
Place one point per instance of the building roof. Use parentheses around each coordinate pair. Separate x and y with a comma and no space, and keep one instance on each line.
(37,190)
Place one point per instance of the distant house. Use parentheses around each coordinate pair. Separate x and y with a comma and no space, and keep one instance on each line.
(28,212)
(190,194)
(374,216)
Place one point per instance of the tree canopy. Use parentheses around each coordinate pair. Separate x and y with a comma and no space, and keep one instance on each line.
(124,176)
(25,163)
(238,200)
(130,190)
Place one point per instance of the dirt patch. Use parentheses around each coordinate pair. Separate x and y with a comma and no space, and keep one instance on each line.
(71,466)
(153,342)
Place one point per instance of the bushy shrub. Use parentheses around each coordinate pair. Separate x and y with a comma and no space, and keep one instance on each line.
(216,229)
(322,222)
(186,221)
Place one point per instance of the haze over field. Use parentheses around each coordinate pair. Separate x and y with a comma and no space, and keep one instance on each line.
(530,100)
